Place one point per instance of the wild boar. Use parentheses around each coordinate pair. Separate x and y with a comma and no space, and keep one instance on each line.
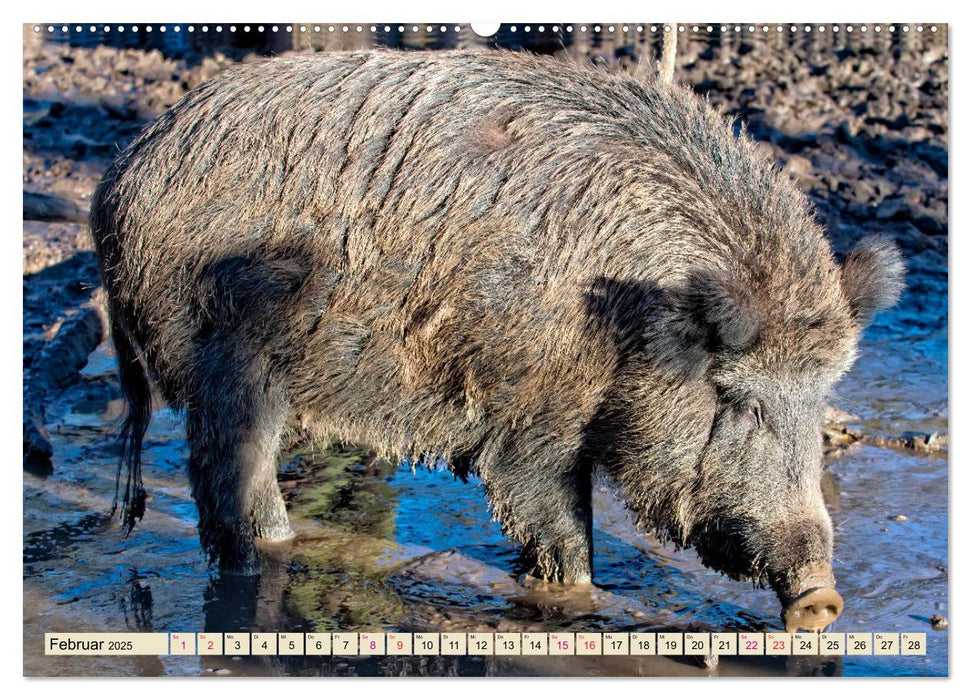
(525,268)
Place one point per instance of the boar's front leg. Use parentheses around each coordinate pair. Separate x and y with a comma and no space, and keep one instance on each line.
(549,511)
(234,429)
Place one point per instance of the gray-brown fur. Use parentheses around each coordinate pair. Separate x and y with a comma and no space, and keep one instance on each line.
(528,268)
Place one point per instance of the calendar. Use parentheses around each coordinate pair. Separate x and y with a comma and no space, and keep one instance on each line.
(487,644)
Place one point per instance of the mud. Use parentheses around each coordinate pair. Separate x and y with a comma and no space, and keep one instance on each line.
(380,547)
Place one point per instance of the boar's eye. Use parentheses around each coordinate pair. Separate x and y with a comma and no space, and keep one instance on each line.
(755,413)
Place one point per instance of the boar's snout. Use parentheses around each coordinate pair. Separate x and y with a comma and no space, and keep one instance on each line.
(813,611)
(814,603)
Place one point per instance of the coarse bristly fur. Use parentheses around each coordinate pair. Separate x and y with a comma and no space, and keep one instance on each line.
(503,261)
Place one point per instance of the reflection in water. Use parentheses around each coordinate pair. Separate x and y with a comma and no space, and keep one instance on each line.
(137,605)
(230,603)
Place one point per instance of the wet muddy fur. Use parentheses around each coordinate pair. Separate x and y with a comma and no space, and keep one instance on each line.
(525,268)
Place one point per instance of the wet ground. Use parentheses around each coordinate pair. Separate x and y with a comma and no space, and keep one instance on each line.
(381,547)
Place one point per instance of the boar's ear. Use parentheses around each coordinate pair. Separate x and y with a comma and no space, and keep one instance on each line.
(872,276)
(724,308)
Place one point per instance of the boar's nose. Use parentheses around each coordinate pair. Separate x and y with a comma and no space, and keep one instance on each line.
(812,610)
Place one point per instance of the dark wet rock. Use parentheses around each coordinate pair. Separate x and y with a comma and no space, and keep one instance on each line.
(56,367)
(841,434)
(68,352)
(838,437)
(917,442)
(891,207)
(45,207)
(939,622)
(931,220)
(37,443)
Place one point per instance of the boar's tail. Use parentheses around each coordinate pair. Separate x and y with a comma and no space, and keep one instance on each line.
(138,397)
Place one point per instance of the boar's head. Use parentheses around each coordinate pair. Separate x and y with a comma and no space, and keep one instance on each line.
(728,410)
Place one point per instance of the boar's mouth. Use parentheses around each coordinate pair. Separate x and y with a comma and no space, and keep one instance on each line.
(724,547)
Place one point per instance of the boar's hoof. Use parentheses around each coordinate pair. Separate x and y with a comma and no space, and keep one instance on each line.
(813,610)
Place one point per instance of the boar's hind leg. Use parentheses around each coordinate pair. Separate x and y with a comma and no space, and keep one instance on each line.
(234,430)
(550,513)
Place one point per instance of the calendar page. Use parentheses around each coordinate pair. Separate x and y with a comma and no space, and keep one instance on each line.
(515,349)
